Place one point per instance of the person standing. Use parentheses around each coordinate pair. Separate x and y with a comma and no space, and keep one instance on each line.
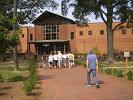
(55,58)
(59,59)
(70,60)
(64,59)
(50,60)
(92,65)
(44,58)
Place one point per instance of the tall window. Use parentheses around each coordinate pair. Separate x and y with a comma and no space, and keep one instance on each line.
(80,33)
(22,35)
(31,37)
(72,35)
(51,30)
(89,32)
(101,32)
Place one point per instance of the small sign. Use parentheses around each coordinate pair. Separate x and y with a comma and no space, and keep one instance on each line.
(126,54)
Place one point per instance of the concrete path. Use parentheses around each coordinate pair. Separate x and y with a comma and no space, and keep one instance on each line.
(69,84)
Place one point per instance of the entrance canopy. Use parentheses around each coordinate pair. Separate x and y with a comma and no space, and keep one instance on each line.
(48,41)
(47,46)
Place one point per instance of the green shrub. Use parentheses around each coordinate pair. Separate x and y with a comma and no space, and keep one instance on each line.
(103,67)
(32,67)
(120,73)
(96,50)
(130,75)
(27,86)
(108,71)
(78,62)
(115,71)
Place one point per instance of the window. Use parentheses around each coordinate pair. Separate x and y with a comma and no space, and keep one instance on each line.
(80,32)
(51,31)
(89,32)
(31,37)
(22,35)
(101,32)
(123,31)
(72,35)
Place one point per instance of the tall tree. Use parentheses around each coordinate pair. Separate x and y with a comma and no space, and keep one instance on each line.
(26,9)
(8,38)
(108,10)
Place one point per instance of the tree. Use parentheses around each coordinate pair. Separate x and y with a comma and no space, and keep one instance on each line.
(8,38)
(108,10)
(26,9)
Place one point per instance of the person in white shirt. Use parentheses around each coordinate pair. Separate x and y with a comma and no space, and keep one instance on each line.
(64,59)
(59,59)
(50,60)
(70,59)
(55,58)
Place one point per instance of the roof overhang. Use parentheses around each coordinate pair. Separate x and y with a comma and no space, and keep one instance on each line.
(48,41)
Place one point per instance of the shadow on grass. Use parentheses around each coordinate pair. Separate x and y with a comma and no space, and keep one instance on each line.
(3,93)
(6,88)
(17,78)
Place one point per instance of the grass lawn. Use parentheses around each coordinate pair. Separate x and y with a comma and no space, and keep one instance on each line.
(11,81)
(9,74)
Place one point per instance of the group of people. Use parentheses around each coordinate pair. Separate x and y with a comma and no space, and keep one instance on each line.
(58,60)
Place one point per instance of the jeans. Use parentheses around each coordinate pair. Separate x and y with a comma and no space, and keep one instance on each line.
(93,71)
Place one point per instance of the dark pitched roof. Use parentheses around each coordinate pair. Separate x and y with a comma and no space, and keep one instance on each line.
(46,14)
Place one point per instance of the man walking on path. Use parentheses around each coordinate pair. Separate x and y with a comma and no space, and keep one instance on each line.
(92,64)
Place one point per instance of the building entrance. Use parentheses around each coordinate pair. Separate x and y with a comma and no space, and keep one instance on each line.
(51,47)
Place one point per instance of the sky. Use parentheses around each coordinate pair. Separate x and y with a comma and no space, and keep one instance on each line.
(69,15)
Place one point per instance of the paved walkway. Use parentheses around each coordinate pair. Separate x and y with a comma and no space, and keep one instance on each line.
(69,84)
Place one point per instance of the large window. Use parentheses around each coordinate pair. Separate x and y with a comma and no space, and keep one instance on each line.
(80,33)
(72,35)
(51,31)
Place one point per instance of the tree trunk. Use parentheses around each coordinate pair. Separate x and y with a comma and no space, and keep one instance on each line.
(14,29)
(110,48)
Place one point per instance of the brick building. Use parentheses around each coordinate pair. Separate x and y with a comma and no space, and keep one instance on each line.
(53,32)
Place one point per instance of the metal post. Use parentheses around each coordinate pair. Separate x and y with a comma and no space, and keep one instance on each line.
(126,67)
